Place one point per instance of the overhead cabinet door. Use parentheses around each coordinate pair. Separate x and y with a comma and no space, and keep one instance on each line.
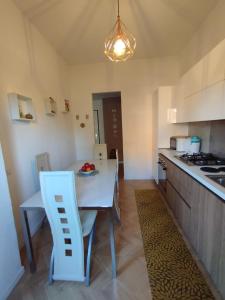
(193,79)
(201,94)
(209,104)
(215,65)
(212,103)
(189,109)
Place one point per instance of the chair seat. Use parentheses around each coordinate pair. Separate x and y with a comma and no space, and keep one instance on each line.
(87,219)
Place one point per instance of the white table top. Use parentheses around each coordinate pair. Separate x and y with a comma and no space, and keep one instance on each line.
(92,191)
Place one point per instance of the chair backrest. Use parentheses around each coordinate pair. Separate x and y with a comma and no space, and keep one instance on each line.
(42,162)
(100,151)
(59,198)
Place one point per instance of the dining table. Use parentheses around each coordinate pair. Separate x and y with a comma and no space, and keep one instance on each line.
(94,192)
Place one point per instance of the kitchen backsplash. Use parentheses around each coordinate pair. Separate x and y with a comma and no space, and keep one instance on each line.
(212,134)
(217,138)
(201,129)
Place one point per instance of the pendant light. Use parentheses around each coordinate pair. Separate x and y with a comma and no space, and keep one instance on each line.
(120,44)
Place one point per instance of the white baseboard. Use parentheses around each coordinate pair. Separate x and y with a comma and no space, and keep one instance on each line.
(11,286)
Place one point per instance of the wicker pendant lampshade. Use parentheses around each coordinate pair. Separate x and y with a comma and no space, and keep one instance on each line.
(120,44)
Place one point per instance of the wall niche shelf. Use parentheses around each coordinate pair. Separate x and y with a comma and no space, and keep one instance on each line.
(21,108)
(50,105)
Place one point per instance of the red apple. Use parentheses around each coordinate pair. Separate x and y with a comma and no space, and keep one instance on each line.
(92,166)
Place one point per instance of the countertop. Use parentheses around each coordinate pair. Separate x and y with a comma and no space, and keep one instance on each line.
(195,172)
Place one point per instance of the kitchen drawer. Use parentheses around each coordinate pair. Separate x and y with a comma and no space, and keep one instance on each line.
(170,197)
(181,210)
(181,181)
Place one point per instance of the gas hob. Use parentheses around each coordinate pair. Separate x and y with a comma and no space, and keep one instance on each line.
(201,159)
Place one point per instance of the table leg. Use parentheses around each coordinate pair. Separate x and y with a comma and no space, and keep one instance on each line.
(27,239)
(112,244)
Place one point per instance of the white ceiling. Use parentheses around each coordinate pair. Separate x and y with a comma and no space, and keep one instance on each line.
(77,28)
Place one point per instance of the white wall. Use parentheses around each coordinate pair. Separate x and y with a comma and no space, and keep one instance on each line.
(10,265)
(209,34)
(30,66)
(136,79)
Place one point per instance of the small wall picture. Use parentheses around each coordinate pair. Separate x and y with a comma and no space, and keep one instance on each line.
(66,105)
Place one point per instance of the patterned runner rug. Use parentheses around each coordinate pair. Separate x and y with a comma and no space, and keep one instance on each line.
(172,271)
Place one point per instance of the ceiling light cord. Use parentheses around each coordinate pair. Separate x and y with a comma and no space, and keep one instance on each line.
(118,14)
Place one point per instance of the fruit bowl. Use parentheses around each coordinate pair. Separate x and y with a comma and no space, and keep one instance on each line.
(86,172)
(87,169)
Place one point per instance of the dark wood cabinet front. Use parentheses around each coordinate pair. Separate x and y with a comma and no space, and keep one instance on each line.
(113,125)
(201,216)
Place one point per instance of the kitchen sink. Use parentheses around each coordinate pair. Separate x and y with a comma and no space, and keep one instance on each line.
(220,179)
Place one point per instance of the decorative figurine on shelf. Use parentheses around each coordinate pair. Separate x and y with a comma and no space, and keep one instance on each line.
(67,105)
(52,103)
(21,111)
(29,116)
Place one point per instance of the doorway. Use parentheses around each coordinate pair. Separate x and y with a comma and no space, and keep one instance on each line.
(108,128)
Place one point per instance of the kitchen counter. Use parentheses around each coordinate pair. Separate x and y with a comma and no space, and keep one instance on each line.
(195,172)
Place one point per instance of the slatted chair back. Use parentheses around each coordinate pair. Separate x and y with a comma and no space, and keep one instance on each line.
(59,198)
(42,162)
(100,151)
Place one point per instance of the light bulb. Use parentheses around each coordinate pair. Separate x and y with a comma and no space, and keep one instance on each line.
(119,47)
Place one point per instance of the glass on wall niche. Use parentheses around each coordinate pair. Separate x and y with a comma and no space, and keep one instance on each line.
(21,107)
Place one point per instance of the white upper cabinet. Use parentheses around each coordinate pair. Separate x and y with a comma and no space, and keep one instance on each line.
(200,93)
(215,65)
(178,100)
(212,103)
(189,109)
(193,79)
(162,125)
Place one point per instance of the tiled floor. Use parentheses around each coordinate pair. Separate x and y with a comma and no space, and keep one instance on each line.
(132,279)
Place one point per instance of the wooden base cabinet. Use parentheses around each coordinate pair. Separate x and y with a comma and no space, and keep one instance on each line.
(221,281)
(207,232)
(201,216)
(180,209)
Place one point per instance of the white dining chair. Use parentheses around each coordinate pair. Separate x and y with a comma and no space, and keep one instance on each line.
(42,162)
(68,226)
(100,151)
